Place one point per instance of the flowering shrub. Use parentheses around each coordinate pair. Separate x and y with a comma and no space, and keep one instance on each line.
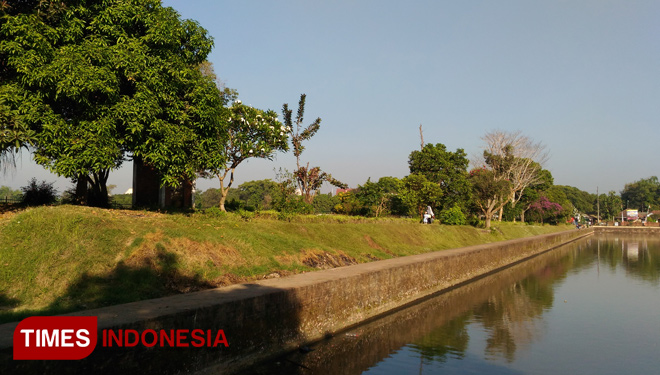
(545,209)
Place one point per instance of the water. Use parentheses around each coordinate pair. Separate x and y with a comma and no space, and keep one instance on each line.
(591,307)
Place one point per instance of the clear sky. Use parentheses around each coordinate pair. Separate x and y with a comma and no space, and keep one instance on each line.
(582,77)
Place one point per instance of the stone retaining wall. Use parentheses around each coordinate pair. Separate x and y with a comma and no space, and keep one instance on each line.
(271,317)
(627,229)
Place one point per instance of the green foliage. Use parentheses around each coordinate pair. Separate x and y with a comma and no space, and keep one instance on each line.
(390,185)
(251,133)
(245,215)
(210,197)
(641,194)
(610,205)
(122,200)
(15,134)
(258,195)
(324,203)
(9,194)
(38,194)
(372,198)
(449,169)
(347,204)
(295,205)
(95,80)
(488,192)
(416,192)
(215,211)
(584,202)
(452,216)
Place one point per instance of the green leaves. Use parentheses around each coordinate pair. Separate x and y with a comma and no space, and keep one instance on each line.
(86,83)
(448,169)
(417,192)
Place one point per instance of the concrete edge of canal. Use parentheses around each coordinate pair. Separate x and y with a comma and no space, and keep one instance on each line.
(271,317)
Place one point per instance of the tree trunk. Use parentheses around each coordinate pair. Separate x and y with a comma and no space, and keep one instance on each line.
(223,198)
(81,190)
(98,195)
(224,191)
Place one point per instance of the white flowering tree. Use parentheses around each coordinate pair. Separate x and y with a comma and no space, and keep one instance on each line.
(252,133)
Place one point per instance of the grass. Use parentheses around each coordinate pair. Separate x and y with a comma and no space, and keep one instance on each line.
(68,258)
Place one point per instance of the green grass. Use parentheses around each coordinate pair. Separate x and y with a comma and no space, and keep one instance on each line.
(67,258)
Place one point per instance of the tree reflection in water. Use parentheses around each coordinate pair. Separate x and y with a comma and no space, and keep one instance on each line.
(506,308)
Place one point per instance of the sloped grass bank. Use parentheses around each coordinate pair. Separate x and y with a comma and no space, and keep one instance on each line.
(67,258)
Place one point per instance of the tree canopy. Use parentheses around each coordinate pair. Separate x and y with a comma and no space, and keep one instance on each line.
(446,168)
(251,133)
(642,193)
(99,80)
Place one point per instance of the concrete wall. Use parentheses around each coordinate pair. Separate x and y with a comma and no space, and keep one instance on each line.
(654,230)
(274,316)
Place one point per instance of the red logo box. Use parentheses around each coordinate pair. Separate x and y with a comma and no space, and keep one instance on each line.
(55,337)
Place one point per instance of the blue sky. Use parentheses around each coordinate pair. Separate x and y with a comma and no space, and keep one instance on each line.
(582,77)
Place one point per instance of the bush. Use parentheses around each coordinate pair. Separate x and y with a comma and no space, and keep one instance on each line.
(37,194)
(245,215)
(452,216)
(295,205)
(215,211)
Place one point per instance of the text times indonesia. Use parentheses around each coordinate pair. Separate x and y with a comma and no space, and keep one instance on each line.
(75,337)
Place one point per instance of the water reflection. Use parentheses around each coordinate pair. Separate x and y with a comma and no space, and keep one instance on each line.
(484,326)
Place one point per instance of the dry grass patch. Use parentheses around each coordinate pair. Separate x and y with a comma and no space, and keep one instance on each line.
(325,260)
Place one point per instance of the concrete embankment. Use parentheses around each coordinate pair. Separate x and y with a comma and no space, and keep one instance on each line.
(270,317)
(628,230)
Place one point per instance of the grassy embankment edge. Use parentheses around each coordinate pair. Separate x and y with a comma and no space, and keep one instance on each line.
(61,259)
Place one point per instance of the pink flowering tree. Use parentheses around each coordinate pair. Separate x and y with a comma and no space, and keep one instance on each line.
(544,208)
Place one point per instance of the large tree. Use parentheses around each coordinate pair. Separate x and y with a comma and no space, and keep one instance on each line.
(610,205)
(417,192)
(98,80)
(521,160)
(448,169)
(583,201)
(642,194)
(489,192)
(308,179)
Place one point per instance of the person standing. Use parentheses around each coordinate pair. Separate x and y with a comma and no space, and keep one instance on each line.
(428,216)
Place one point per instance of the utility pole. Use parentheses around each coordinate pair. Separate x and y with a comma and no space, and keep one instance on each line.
(598,204)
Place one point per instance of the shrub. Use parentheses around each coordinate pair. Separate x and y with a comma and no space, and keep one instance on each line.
(452,216)
(245,214)
(37,194)
(215,211)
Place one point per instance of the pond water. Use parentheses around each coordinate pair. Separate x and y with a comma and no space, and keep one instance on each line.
(590,307)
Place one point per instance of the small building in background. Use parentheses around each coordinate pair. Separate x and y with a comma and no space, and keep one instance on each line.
(147,191)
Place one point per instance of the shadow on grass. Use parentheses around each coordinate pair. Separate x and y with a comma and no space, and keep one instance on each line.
(8,302)
(125,283)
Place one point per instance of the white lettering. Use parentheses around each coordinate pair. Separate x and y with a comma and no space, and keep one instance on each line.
(82,337)
(52,340)
(27,336)
(66,335)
